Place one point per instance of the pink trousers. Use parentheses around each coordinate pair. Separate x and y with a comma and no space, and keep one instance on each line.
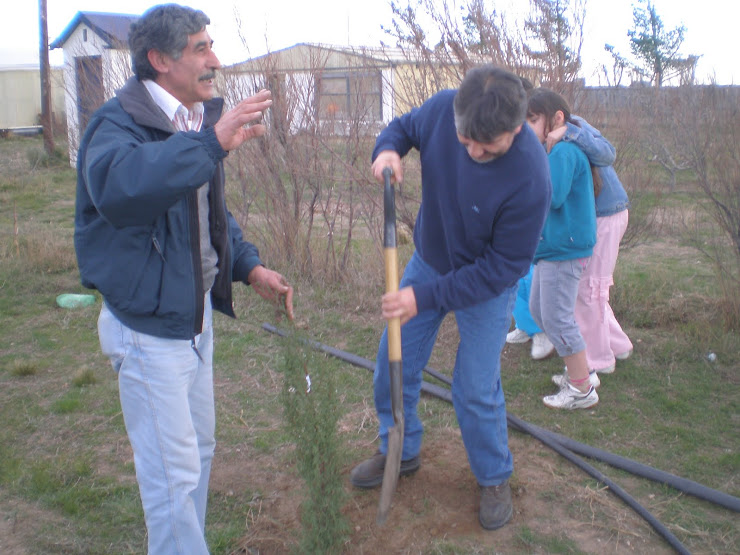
(600,330)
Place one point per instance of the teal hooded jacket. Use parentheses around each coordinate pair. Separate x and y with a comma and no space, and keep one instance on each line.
(570,227)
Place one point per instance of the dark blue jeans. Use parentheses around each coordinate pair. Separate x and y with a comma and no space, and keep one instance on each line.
(477,394)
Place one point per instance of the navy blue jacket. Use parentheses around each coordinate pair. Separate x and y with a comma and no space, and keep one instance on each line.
(136,221)
(478,224)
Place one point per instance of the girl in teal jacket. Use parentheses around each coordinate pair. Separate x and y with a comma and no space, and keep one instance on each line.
(564,251)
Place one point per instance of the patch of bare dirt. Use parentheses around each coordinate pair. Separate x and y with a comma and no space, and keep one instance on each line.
(11,539)
(436,510)
(19,523)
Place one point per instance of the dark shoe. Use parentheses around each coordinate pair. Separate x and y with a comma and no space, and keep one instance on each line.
(496,508)
(369,473)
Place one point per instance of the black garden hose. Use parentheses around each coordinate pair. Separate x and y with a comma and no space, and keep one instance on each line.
(638,469)
(567,448)
(435,390)
(594,473)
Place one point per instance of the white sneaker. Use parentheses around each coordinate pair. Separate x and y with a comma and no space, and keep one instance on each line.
(517,336)
(624,356)
(541,346)
(570,398)
(607,370)
(561,379)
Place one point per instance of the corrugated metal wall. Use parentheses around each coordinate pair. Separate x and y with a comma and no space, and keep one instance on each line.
(20,97)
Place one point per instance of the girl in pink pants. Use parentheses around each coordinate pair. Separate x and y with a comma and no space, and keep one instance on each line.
(605,340)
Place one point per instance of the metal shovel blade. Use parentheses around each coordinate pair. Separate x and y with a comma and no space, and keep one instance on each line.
(391,472)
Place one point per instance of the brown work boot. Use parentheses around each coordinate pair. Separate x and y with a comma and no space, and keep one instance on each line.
(369,474)
(496,508)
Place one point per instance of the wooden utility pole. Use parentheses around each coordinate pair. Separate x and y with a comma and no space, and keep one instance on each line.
(45,79)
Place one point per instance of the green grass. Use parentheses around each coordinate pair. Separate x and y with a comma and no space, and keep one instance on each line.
(22,368)
(65,459)
(531,540)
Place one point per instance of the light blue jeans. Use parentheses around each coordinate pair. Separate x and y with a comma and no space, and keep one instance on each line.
(166,392)
(477,394)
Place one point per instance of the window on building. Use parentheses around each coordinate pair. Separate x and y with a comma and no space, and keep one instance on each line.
(350,95)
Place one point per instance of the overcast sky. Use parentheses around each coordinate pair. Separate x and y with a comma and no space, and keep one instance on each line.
(277,24)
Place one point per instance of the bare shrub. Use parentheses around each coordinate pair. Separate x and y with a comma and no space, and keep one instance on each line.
(302,190)
(40,250)
(621,118)
(708,140)
(48,252)
(691,133)
(427,33)
(444,44)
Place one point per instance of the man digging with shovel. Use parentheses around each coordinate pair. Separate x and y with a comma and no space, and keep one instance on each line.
(485,195)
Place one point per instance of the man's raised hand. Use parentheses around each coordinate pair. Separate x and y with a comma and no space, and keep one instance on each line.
(233,129)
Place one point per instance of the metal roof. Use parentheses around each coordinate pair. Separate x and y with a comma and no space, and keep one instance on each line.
(111,27)
(295,58)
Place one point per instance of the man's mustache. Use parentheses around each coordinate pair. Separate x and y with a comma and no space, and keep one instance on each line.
(207,76)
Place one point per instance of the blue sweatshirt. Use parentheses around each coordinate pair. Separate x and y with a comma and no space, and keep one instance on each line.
(570,229)
(478,224)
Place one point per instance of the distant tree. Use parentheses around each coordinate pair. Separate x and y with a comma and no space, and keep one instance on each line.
(554,32)
(489,37)
(656,49)
(619,64)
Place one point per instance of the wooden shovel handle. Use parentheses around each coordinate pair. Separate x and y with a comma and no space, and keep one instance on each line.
(390,253)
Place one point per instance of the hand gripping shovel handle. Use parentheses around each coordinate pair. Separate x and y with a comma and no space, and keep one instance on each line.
(395,434)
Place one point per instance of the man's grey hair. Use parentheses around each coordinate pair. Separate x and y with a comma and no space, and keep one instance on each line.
(165,28)
(489,102)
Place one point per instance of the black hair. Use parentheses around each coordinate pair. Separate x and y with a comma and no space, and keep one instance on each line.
(545,102)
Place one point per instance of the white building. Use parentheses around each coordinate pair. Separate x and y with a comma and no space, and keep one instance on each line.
(20,98)
(96,63)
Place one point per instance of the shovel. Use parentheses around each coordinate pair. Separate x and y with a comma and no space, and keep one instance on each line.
(395,434)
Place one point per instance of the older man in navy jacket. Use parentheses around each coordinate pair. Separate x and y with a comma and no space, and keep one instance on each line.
(153,235)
